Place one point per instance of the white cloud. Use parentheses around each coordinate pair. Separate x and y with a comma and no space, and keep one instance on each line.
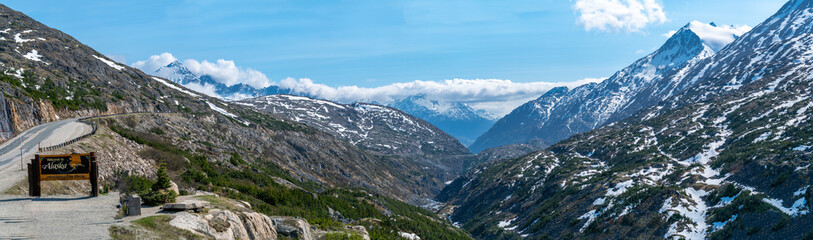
(227,72)
(223,71)
(207,89)
(715,36)
(493,95)
(619,15)
(669,34)
(154,62)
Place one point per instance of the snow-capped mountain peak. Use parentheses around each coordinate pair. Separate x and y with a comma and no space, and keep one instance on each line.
(176,72)
(562,112)
(439,107)
(714,36)
(458,119)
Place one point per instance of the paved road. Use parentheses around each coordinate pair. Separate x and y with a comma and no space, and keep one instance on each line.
(49,217)
(27,143)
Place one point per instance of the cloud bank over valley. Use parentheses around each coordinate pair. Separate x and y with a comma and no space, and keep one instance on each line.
(497,96)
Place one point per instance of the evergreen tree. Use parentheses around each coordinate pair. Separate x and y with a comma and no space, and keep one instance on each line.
(163,179)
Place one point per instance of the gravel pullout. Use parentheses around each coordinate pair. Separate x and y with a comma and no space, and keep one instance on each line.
(57,217)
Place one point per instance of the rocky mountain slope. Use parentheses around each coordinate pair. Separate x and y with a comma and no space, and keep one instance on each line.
(283,170)
(206,143)
(727,158)
(562,112)
(48,75)
(457,119)
(382,130)
(68,79)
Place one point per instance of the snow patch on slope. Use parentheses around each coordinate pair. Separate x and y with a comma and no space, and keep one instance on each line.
(33,56)
(19,39)
(798,208)
(110,63)
(694,209)
(225,113)
(174,87)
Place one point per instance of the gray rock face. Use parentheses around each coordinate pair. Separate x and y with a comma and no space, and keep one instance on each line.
(307,154)
(224,224)
(292,227)
(258,226)
(501,153)
(381,130)
(48,75)
(377,128)
(196,206)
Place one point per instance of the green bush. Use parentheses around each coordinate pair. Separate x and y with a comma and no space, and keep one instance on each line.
(236,160)
(135,184)
(155,198)
(160,193)
(157,130)
(323,223)
(784,221)
(808,235)
(152,192)
(342,236)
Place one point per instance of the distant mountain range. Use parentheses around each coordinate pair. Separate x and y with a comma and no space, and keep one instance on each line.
(563,112)
(457,119)
(376,128)
(400,138)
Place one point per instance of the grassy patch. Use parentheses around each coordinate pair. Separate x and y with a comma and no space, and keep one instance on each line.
(221,203)
(342,236)
(153,227)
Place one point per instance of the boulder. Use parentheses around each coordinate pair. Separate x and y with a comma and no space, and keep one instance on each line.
(258,226)
(361,231)
(292,227)
(174,188)
(133,204)
(196,206)
(225,224)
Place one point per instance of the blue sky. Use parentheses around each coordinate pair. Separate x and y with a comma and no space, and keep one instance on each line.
(376,43)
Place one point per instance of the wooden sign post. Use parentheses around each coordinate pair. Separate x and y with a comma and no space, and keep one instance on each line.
(63,167)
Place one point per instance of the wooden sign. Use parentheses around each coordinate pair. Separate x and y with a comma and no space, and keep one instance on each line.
(77,166)
(64,167)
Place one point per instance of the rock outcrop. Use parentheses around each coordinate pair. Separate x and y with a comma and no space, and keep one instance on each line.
(297,228)
(225,224)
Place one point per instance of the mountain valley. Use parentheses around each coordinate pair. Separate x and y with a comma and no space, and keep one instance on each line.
(708,137)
